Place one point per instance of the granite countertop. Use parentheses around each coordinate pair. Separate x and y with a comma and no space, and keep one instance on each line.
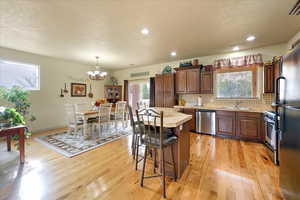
(172,118)
(227,108)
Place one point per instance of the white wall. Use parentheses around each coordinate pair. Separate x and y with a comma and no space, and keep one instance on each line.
(268,53)
(293,40)
(47,106)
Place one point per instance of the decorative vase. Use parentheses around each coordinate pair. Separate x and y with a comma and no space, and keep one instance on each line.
(195,62)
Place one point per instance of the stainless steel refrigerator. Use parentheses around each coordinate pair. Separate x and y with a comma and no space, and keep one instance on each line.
(289,125)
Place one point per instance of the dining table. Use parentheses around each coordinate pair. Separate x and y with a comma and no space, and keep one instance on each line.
(92,114)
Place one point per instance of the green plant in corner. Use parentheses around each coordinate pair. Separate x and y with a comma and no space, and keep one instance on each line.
(19,99)
(11,116)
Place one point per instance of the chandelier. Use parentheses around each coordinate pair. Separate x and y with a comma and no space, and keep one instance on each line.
(97,74)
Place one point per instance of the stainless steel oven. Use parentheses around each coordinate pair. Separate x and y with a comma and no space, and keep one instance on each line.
(271,134)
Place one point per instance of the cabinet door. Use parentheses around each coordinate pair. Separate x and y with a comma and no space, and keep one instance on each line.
(225,123)
(181,81)
(193,81)
(249,125)
(191,111)
(268,79)
(206,83)
(169,90)
(159,91)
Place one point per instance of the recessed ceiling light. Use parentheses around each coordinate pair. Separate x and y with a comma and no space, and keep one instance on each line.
(236,48)
(251,38)
(173,53)
(145,31)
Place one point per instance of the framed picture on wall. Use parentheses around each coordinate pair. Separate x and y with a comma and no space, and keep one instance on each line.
(78,90)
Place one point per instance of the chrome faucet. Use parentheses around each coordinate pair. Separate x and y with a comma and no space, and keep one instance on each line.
(237,104)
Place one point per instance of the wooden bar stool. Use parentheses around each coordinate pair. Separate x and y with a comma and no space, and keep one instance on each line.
(154,136)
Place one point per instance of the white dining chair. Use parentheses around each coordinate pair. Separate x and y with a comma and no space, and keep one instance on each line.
(120,114)
(75,121)
(103,120)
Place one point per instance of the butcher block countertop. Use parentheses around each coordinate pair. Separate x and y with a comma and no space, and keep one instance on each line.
(172,118)
(228,108)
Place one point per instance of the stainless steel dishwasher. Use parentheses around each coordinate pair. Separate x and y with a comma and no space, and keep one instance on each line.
(206,121)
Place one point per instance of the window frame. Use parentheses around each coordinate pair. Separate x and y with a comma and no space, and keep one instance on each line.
(253,69)
(38,77)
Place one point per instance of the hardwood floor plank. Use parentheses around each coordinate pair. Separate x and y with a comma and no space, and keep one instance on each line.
(219,169)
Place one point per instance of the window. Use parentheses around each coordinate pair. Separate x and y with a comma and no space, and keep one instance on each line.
(235,84)
(26,76)
(139,92)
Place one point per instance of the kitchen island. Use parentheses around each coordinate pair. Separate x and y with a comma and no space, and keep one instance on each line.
(179,123)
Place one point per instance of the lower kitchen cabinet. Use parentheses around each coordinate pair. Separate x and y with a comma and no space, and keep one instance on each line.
(240,125)
(191,111)
(249,125)
(225,123)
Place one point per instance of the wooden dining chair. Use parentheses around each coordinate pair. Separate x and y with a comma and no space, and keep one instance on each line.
(154,136)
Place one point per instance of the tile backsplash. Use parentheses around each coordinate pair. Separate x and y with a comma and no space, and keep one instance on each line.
(210,100)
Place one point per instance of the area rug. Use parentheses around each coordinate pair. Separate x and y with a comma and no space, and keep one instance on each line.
(71,145)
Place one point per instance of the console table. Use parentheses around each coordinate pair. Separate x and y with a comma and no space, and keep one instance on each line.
(9,133)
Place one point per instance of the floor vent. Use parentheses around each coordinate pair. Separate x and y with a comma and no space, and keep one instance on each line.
(138,74)
(295,9)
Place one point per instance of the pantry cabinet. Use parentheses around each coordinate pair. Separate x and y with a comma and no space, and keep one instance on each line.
(164,90)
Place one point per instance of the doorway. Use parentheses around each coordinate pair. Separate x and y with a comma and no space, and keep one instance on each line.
(138,92)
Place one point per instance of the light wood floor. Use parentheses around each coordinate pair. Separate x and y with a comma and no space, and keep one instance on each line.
(219,169)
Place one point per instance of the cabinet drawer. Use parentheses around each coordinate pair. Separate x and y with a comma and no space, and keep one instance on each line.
(225,113)
(249,114)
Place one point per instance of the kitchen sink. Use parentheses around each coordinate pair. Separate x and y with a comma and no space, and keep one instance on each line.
(236,108)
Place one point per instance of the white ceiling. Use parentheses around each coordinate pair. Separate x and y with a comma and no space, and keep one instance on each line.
(81,29)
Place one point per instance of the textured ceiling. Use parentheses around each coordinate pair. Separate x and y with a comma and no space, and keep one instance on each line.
(81,29)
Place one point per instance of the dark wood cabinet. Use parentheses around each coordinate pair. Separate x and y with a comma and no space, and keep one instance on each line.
(193,81)
(191,111)
(240,125)
(269,78)
(159,91)
(113,93)
(206,83)
(164,90)
(225,123)
(188,81)
(180,81)
(248,125)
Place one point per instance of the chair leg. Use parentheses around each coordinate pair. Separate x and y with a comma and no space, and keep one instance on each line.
(144,165)
(163,172)
(173,161)
(137,155)
(154,160)
(8,142)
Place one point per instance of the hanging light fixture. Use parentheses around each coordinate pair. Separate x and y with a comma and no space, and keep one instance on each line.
(97,74)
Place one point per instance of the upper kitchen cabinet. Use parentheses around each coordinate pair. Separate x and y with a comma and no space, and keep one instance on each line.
(164,90)
(180,78)
(206,83)
(188,81)
(269,78)
(159,91)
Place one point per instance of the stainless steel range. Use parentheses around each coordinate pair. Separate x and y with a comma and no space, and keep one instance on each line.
(272,136)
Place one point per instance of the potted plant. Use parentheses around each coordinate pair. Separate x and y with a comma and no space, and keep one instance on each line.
(10,117)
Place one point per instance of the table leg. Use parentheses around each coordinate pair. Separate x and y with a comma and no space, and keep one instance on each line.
(22,145)
(8,142)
